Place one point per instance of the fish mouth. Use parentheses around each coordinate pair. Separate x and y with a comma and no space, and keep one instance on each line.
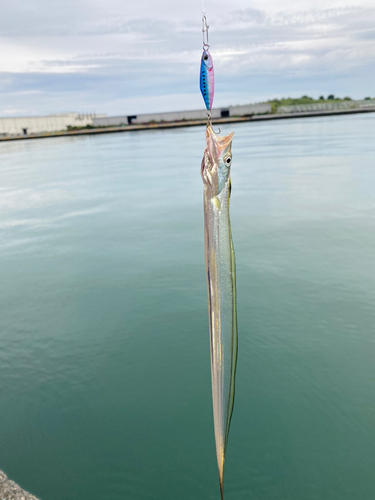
(216,144)
(210,132)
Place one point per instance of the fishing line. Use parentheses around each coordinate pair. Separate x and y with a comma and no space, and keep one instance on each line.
(207,70)
(203,7)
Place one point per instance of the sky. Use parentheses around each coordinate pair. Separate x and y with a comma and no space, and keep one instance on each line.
(119,57)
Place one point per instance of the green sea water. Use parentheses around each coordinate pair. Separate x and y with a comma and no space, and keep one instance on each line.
(104,353)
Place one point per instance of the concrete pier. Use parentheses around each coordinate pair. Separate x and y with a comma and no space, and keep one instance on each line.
(188,123)
(9,490)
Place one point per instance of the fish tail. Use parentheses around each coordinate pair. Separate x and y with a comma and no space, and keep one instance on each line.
(221,488)
(221,481)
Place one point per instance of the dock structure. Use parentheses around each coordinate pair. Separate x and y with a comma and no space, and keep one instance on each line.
(180,116)
(30,125)
(9,490)
(118,124)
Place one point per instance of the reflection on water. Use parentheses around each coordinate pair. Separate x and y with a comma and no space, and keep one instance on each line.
(104,360)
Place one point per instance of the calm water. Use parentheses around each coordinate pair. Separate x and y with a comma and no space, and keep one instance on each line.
(104,359)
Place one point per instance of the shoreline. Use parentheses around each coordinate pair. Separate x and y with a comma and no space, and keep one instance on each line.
(190,123)
(9,490)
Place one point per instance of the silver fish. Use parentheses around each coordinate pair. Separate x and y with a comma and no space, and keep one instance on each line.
(221,283)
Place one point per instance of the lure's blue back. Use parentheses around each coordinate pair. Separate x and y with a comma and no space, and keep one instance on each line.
(207,79)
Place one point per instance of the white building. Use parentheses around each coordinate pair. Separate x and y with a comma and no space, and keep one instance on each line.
(24,125)
(250,109)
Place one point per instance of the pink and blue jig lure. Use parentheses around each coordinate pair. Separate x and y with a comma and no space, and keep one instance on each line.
(207,79)
(207,69)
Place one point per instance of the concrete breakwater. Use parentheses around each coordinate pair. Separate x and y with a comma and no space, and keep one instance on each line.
(180,116)
(39,125)
(9,490)
(70,123)
(187,123)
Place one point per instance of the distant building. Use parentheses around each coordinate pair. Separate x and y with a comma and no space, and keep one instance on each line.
(247,110)
(38,124)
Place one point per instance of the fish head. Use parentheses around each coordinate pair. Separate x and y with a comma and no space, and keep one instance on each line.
(207,60)
(217,160)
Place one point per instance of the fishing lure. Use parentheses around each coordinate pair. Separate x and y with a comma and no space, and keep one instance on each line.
(207,69)
(221,284)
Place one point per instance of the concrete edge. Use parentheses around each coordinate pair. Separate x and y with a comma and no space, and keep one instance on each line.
(9,490)
(189,123)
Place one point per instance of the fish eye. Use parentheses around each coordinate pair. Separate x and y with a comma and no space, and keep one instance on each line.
(228,161)
(205,57)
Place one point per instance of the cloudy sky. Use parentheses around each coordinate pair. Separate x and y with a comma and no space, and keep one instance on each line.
(122,57)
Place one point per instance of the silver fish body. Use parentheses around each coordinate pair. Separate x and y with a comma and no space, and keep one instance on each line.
(221,283)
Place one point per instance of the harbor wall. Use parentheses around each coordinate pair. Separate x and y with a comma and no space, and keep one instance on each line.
(33,125)
(187,123)
(9,490)
(200,114)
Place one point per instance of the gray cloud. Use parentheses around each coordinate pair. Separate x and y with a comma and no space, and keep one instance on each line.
(80,54)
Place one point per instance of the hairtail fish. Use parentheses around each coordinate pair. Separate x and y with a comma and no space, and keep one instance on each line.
(221,284)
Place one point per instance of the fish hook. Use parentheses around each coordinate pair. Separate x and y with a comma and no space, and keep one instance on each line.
(209,123)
